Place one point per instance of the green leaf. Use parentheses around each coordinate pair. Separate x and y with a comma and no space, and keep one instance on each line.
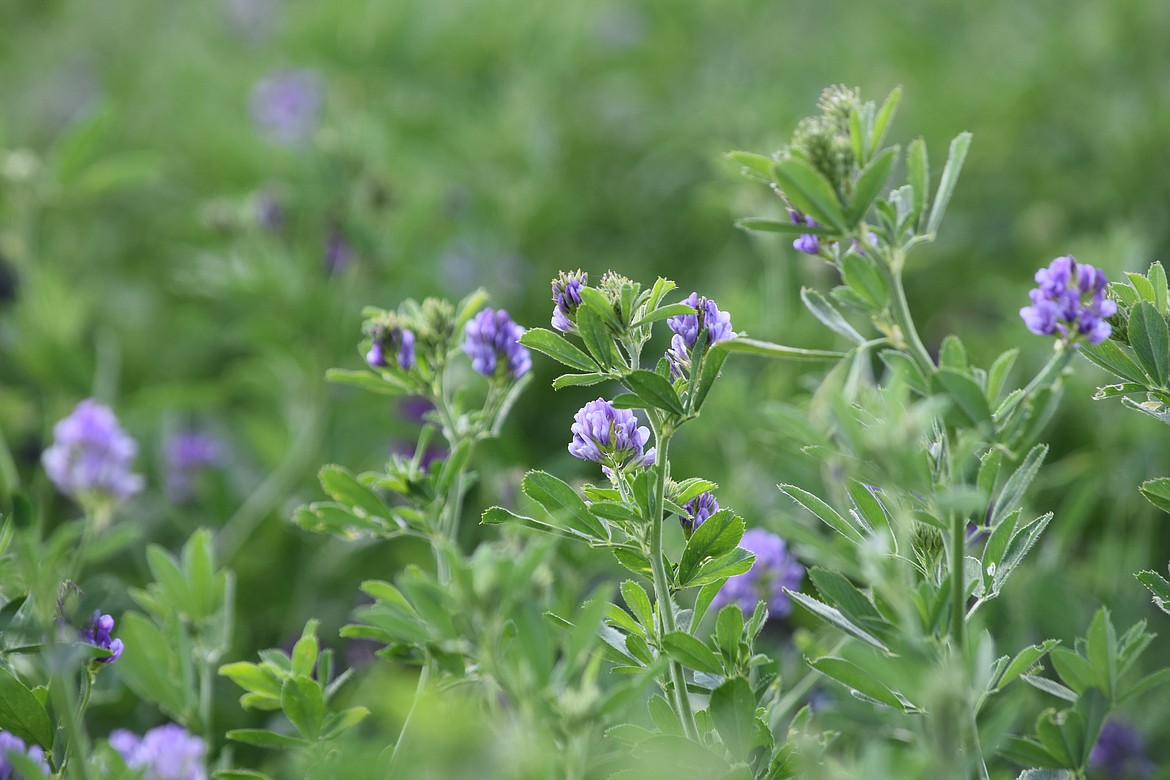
(577,380)
(558,348)
(1150,338)
(998,373)
(864,278)
(810,192)
(597,339)
(563,504)
(654,390)
(712,363)
(869,184)
(735,562)
(900,362)
(718,535)
(1046,774)
(1109,356)
(733,709)
(1051,687)
(692,653)
(950,176)
(633,559)
(885,115)
(170,578)
(786,226)
(754,347)
(22,714)
(863,682)
(1158,586)
(828,315)
(842,594)
(304,705)
(835,617)
(383,384)
(344,488)
(1012,494)
(824,512)
(253,678)
(1157,277)
(239,774)
(265,738)
(756,163)
(199,566)
(965,393)
(703,602)
(597,303)
(918,175)
(1024,661)
(1157,492)
(639,603)
(663,312)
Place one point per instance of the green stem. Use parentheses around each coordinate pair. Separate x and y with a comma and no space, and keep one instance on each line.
(662,595)
(76,742)
(958,587)
(900,311)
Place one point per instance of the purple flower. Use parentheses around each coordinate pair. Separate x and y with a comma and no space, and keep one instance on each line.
(166,753)
(97,633)
(338,252)
(187,454)
(774,569)
(286,104)
(397,340)
(698,510)
(566,294)
(808,243)
(10,743)
(687,327)
(269,211)
(91,455)
(1120,752)
(609,436)
(1069,301)
(493,344)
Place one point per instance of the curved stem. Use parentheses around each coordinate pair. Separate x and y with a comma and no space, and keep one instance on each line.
(662,595)
(900,311)
(958,586)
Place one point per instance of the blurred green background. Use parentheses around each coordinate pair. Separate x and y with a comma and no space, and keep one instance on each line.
(493,143)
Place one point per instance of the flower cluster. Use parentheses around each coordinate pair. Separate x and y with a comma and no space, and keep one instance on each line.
(1120,751)
(698,509)
(609,436)
(396,340)
(97,633)
(493,344)
(9,744)
(91,455)
(809,243)
(166,753)
(774,570)
(1070,301)
(687,328)
(285,105)
(566,294)
(186,454)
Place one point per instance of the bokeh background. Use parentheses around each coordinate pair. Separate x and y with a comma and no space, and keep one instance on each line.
(198,198)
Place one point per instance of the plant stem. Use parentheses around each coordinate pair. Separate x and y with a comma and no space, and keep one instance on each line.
(900,311)
(662,595)
(958,586)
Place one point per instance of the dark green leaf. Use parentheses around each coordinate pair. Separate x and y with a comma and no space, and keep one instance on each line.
(733,709)
(828,315)
(835,617)
(1109,356)
(1157,492)
(1150,338)
(754,347)
(22,714)
(885,115)
(950,176)
(692,653)
(1157,585)
(718,535)
(563,504)
(639,604)
(810,192)
(655,391)
(918,174)
(558,348)
(824,512)
(869,184)
(859,680)
(304,705)
(787,226)
(265,738)
(597,303)
(965,393)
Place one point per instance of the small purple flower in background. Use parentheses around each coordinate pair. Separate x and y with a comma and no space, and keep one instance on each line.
(406,450)
(400,341)
(286,104)
(774,570)
(1120,752)
(698,510)
(338,252)
(566,294)
(10,743)
(687,327)
(166,753)
(609,436)
(493,340)
(1070,301)
(809,243)
(90,457)
(415,408)
(186,455)
(269,211)
(97,633)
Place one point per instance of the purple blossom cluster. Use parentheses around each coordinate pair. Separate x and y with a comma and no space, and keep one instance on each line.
(698,509)
(91,455)
(286,104)
(166,753)
(187,454)
(1070,301)
(1120,751)
(774,570)
(566,294)
(98,633)
(397,341)
(609,436)
(687,328)
(493,344)
(809,243)
(9,744)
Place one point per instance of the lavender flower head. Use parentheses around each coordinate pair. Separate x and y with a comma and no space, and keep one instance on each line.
(1120,752)
(809,243)
(187,454)
(775,569)
(166,753)
(609,436)
(687,327)
(97,633)
(698,509)
(286,104)
(493,344)
(10,743)
(397,340)
(1070,301)
(566,294)
(90,457)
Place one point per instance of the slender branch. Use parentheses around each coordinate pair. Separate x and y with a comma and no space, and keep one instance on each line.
(958,586)
(900,311)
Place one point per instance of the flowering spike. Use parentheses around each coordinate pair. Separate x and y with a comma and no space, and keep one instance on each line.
(610,436)
(91,455)
(1069,301)
(566,294)
(97,633)
(493,344)
(687,327)
(698,509)
(166,752)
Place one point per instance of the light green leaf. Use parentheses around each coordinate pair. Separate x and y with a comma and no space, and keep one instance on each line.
(692,653)
(558,348)
(810,192)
